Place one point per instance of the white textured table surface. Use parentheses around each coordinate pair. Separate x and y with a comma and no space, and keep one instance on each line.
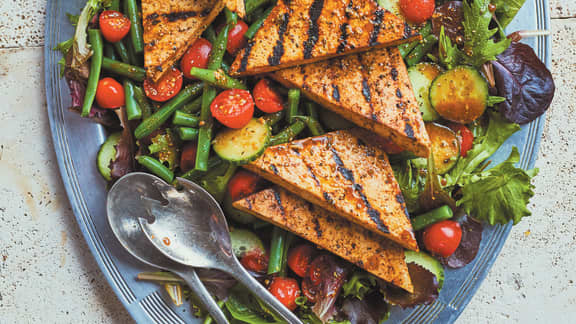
(47,274)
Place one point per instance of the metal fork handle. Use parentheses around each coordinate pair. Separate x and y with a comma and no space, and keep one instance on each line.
(202,295)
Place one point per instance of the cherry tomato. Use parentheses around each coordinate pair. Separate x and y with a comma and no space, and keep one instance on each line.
(286,290)
(236,39)
(166,88)
(196,56)
(243,184)
(299,259)
(266,98)
(233,108)
(114,25)
(465,136)
(110,93)
(442,238)
(256,261)
(417,11)
(188,156)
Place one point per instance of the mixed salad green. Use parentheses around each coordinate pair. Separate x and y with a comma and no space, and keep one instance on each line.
(475,87)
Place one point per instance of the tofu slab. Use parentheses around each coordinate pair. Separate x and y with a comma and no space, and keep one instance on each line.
(305,31)
(351,242)
(343,174)
(371,89)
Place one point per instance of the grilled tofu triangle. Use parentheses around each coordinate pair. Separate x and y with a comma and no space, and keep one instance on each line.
(170,27)
(305,31)
(237,6)
(341,173)
(371,89)
(351,242)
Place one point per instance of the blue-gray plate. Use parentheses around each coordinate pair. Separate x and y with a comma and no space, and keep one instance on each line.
(77,141)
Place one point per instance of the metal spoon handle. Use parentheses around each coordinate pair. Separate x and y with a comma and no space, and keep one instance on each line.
(203,295)
(259,291)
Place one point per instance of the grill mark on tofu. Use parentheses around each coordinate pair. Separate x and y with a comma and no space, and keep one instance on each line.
(409,131)
(314,29)
(278,51)
(366,90)
(278,199)
(246,56)
(344,28)
(394,74)
(335,92)
(377,23)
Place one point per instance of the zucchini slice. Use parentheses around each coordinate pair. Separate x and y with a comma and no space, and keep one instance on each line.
(445,147)
(459,95)
(244,241)
(107,154)
(421,76)
(244,145)
(427,262)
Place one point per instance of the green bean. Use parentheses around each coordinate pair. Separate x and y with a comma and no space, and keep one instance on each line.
(122,51)
(187,133)
(313,125)
(251,32)
(184,119)
(131,10)
(208,319)
(195,174)
(231,17)
(252,5)
(312,110)
(277,245)
(288,134)
(95,39)
(210,34)
(143,102)
(217,78)
(434,216)
(156,167)
(226,67)
(275,118)
(152,123)
(421,50)
(109,52)
(133,110)
(293,104)
(130,71)
(114,5)
(206,128)
(193,106)
(219,49)
(287,243)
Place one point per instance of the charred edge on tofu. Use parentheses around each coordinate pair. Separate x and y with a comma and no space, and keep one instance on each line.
(344,28)
(377,22)
(278,51)
(175,16)
(246,56)
(314,29)
(349,175)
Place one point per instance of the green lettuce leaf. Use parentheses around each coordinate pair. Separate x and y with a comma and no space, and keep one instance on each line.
(410,181)
(499,195)
(244,308)
(359,285)
(216,180)
(506,10)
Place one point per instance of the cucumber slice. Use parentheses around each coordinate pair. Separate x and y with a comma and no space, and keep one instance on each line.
(107,154)
(391,5)
(421,76)
(460,95)
(445,147)
(244,241)
(427,262)
(244,145)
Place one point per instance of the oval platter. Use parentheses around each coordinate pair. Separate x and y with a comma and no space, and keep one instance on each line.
(77,140)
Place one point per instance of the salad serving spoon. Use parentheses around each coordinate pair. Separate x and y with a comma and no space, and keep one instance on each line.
(124,208)
(189,227)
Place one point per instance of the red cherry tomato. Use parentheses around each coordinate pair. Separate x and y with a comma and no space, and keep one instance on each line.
(188,156)
(299,259)
(236,39)
(417,11)
(114,25)
(110,93)
(256,261)
(286,290)
(166,88)
(243,184)
(196,56)
(233,108)
(266,98)
(466,138)
(442,238)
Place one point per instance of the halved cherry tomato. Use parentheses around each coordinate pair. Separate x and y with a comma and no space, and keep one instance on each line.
(188,156)
(442,238)
(196,56)
(233,108)
(286,290)
(166,88)
(114,25)
(236,39)
(299,259)
(417,11)
(266,98)
(466,138)
(256,261)
(243,184)
(110,93)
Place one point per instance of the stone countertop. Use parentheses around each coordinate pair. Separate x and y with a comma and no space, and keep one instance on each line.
(47,273)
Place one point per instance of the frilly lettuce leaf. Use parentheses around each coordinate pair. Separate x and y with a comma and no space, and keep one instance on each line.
(359,285)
